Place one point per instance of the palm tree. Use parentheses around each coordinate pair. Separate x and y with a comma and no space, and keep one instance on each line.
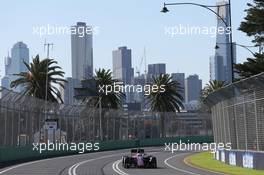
(112,100)
(102,78)
(99,99)
(167,100)
(34,80)
(211,87)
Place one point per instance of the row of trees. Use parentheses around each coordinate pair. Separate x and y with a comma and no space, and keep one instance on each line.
(46,72)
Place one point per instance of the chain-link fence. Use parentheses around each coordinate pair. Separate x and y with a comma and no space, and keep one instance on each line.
(238,114)
(24,120)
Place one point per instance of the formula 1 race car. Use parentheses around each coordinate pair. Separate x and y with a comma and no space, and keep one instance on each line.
(139,159)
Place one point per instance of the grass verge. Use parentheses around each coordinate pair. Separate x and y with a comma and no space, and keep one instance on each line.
(206,161)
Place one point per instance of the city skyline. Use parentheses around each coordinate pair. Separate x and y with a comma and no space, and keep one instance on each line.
(173,54)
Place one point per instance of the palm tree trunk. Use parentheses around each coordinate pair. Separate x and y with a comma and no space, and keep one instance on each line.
(162,124)
(103,124)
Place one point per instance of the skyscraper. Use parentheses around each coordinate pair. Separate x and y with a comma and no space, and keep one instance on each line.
(82,51)
(15,64)
(68,92)
(139,96)
(122,66)
(156,69)
(5,80)
(217,68)
(180,78)
(223,40)
(193,87)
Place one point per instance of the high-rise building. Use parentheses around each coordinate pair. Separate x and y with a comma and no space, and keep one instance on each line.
(223,40)
(180,78)
(193,88)
(82,51)
(217,68)
(122,65)
(156,69)
(67,92)
(122,68)
(139,96)
(5,80)
(15,64)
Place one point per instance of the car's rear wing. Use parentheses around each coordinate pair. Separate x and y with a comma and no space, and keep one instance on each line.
(135,151)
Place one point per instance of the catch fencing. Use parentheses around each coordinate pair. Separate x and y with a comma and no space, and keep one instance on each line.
(238,114)
(25,119)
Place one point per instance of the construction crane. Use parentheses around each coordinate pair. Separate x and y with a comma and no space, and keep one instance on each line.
(143,58)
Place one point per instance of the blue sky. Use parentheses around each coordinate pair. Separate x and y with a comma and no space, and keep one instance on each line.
(135,23)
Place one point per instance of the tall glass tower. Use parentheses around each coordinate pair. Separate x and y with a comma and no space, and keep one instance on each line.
(15,64)
(82,51)
(223,42)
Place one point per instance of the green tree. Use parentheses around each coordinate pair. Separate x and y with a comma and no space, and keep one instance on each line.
(211,87)
(253,26)
(252,66)
(112,100)
(34,80)
(96,96)
(254,21)
(167,100)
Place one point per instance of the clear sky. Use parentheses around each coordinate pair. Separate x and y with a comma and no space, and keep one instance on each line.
(134,23)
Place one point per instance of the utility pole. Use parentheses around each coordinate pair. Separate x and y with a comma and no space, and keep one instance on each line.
(46,45)
(100,118)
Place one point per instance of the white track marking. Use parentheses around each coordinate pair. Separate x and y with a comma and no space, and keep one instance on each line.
(34,162)
(43,160)
(73,168)
(37,161)
(115,165)
(28,163)
(178,169)
(17,166)
(117,169)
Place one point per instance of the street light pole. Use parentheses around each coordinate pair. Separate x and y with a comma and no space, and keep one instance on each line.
(227,24)
(240,45)
(231,41)
(208,7)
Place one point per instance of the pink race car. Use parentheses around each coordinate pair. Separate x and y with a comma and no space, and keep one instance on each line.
(139,159)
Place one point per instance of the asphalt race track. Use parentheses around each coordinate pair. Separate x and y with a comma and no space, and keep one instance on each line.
(105,163)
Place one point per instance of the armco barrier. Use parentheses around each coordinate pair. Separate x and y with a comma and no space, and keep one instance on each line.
(13,154)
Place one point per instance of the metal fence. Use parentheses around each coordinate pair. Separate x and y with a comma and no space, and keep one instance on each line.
(238,114)
(24,120)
